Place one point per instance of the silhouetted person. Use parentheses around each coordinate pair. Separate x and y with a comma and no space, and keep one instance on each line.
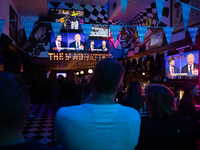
(101,124)
(187,107)
(134,97)
(164,129)
(14,109)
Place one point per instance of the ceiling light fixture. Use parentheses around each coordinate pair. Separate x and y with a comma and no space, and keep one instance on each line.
(82,72)
(90,71)
(77,73)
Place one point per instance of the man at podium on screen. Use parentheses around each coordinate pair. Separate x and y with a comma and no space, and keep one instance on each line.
(104,47)
(58,43)
(191,66)
(172,69)
(92,46)
(78,44)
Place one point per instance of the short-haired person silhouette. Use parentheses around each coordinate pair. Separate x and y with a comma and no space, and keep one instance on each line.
(164,129)
(14,109)
(101,124)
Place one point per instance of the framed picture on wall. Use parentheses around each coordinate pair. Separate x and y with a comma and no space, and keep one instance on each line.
(177,15)
(13,24)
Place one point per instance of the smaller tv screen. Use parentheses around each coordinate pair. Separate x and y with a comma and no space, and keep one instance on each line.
(98,45)
(71,19)
(101,31)
(185,66)
(62,74)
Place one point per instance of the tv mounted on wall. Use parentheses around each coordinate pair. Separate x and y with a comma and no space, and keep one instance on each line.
(182,66)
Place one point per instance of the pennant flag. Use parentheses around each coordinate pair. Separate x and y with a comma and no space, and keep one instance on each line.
(124,4)
(30,18)
(50,6)
(28,26)
(168,33)
(56,28)
(106,7)
(115,31)
(165,54)
(186,13)
(2,23)
(193,33)
(86,30)
(159,6)
(141,32)
(62,6)
(154,56)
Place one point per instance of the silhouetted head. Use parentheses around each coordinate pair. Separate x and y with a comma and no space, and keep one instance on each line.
(160,100)
(107,77)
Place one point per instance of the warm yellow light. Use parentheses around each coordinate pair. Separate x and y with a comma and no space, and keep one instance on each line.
(90,71)
(143,73)
(77,73)
(82,72)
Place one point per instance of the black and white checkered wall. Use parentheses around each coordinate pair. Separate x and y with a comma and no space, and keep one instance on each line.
(151,12)
(92,14)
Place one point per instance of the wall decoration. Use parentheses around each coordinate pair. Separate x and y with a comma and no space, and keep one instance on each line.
(193,33)
(28,26)
(159,6)
(124,4)
(177,15)
(186,12)
(168,33)
(156,39)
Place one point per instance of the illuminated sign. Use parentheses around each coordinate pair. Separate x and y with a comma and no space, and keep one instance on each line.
(77,56)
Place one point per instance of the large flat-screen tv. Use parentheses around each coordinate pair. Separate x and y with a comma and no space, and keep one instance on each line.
(100,31)
(68,42)
(182,66)
(71,19)
(98,45)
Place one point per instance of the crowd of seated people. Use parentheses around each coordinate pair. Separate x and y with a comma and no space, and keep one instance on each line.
(90,118)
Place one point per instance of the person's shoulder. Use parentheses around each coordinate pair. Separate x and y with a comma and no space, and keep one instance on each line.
(72,42)
(176,67)
(185,66)
(63,111)
(129,110)
(185,122)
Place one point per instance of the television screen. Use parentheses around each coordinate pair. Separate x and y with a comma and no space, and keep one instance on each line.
(185,66)
(98,45)
(62,74)
(68,42)
(100,31)
(71,19)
